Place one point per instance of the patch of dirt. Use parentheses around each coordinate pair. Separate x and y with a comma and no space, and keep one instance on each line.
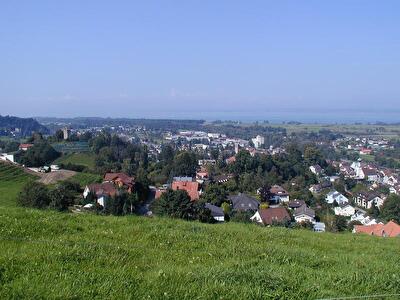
(55,176)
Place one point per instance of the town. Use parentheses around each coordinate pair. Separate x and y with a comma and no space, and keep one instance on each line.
(325,180)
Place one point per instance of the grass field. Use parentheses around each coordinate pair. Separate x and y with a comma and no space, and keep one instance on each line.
(84,159)
(11,181)
(86,178)
(46,254)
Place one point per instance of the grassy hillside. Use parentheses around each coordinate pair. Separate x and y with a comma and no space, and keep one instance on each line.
(45,254)
(86,178)
(84,159)
(12,179)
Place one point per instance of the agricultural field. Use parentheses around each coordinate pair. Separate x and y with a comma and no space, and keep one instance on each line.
(84,159)
(384,131)
(12,179)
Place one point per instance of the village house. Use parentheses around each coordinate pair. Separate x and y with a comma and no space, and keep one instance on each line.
(271,216)
(318,188)
(363,218)
(366,200)
(304,214)
(365,151)
(279,194)
(243,202)
(101,191)
(345,210)
(121,180)
(369,174)
(319,227)
(25,147)
(335,196)
(293,204)
(316,169)
(187,184)
(390,229)
(216,212)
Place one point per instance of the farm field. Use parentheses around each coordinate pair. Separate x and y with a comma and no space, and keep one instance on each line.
(384,131)
(84,159)
(46,254)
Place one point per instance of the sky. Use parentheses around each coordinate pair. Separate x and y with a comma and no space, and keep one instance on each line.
(206,59)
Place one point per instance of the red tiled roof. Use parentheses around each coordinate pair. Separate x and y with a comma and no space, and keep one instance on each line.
(191,187)
(274,215)
(105,188)
(120,177)
(25,146)
(390,229)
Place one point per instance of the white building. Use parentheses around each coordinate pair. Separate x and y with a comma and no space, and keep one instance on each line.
(333,196)
(345,210)
(258,141)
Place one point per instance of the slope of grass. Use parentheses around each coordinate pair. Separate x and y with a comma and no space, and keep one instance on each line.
(12,179)
(45,254)
(54,255)
(84,159)
(86,178)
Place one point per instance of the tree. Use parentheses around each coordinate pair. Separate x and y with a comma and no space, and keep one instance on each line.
(34,194)
(175,204)
(265,193)
(185,164)
(204,215)
(61,197)
(39,155)
(215,194)
(390,209)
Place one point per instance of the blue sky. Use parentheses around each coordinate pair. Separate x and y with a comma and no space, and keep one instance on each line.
(197,58)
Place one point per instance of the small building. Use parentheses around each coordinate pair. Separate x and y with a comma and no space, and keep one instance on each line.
(366,200)
(295,203)
(216,211)
(304,214)
(191,187)
(25,147)
(335,196)
(316,169)
(121,180)
(271,216)
(390,229)
(345,210)
(319,227)
(279,194)
(243,202)
(101,191)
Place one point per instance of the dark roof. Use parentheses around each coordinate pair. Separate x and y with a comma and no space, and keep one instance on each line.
(244,202)
(215,210)
(304,210)
(296,203)
(278,191)
(273,215)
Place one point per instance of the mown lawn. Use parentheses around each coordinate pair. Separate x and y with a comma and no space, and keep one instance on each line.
(84,159)
(46,254)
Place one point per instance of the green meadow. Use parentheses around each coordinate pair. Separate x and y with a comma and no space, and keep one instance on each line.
(46,254)
(84,159)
